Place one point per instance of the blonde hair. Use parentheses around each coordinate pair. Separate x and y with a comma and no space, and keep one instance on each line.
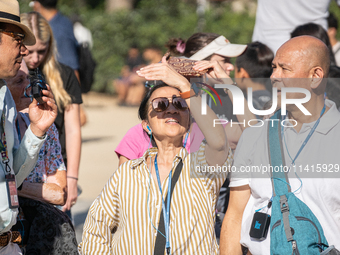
(50,67)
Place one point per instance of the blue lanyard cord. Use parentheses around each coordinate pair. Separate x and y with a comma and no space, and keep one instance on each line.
(186,139)
(304,143)
(268,205)
(148,201)
(166,211)
(271,199)
(309,135)
(149,189)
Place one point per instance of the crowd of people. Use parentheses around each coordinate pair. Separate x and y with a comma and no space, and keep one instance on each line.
(194,175)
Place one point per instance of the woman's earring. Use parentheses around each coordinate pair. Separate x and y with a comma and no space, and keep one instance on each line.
(149,132)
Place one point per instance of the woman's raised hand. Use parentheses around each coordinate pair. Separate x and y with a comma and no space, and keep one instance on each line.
(215,70)
(164,72)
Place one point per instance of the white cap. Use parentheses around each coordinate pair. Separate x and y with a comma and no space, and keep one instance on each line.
(220,46)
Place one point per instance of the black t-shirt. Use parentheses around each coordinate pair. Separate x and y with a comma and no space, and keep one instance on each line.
(72,87)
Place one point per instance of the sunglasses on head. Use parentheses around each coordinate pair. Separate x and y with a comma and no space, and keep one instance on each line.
(160,104)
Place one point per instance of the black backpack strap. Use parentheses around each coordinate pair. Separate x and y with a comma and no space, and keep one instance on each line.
(160,239)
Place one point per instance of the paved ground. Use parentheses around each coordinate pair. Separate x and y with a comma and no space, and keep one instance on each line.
(106,125)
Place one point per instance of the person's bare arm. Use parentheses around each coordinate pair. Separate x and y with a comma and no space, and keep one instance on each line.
(53,191)
(76,72)
(73,148)
(231,227)
(122,160)
(233,133)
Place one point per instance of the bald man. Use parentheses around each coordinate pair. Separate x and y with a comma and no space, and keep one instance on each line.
(301,62)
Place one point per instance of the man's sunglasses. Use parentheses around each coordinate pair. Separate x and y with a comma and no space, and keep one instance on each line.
(160,104)
(19,37)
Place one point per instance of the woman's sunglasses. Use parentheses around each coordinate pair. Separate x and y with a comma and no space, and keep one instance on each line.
(160,104)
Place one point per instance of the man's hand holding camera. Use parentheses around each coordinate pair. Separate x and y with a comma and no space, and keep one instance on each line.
(43,115)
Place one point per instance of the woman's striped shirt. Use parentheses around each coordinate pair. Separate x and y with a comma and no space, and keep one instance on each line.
(122,220)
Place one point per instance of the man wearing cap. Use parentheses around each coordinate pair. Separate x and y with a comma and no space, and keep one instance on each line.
(17,161)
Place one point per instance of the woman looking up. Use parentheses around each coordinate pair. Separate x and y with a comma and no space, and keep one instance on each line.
(125,218)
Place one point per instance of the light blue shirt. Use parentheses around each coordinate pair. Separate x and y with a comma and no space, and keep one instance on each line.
(22,158)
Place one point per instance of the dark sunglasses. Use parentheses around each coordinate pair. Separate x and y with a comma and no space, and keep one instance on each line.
(19,37)
(160,104)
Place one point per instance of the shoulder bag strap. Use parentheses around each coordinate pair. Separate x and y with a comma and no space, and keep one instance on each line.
(280,181)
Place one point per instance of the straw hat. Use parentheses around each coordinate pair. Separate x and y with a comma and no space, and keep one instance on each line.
(10,13)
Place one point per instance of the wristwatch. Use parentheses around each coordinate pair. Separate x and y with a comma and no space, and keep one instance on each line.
(192,92)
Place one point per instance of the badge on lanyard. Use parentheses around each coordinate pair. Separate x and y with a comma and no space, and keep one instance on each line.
(12,192)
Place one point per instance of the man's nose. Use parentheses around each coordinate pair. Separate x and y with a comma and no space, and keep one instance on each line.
(275,77)
(276,74)
(23,50)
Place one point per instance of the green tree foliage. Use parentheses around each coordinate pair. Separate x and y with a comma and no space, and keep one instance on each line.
(151,23)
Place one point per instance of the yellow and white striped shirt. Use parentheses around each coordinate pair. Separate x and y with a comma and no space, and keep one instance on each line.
(120,220)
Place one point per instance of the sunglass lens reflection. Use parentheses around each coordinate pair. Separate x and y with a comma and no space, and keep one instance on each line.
(160,104)
(179,103)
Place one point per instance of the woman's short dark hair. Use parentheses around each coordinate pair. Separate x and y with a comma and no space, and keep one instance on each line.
(317,31)
(143,108)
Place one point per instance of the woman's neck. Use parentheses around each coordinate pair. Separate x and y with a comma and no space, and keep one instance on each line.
(167,152)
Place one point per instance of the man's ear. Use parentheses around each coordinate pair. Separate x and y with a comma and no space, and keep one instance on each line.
(243,73)
(317,75)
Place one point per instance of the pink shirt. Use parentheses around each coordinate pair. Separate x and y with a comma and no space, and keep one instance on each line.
(136,142)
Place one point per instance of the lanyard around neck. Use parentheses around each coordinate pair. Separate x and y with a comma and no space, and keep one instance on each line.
(309,135)
(3,146)
(166,211)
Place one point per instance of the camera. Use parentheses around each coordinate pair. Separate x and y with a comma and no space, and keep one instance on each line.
(38,83)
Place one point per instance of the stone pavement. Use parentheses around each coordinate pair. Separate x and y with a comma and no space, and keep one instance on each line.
(106,125)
